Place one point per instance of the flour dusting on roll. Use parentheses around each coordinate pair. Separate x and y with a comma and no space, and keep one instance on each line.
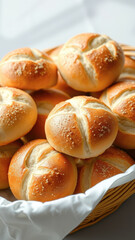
(29,69)
(81,127)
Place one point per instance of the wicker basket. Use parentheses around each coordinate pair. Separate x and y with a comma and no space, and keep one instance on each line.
(110,202)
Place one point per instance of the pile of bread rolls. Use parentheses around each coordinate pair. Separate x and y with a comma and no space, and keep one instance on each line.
(63,114)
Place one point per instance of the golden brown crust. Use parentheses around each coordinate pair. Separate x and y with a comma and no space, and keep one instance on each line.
(81,127)
(27,68)
(90,62)
(37,172)
(6,153)
(18,114)
(45,101)
(121,99)
(113,161)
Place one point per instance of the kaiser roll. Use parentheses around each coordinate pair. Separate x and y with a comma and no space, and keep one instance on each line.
(90,62)
(81,127)
(37,172)
(18,114)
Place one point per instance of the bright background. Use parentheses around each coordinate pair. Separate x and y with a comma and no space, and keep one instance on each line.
(47,23)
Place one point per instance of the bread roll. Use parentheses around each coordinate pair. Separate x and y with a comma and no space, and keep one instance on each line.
(121,99)
(90,62)
(81,127)
(18,114)
(129,66)
(113,161)
(6,153)
(27,68)
(37,172)
(45,101)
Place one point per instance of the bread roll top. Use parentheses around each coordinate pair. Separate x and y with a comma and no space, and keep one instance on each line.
(18,114)
(81,127)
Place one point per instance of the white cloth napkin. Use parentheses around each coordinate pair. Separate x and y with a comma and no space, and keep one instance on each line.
(53,220)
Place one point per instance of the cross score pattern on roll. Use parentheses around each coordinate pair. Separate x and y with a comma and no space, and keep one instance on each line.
(27,68)
(121,99)
(81,127)
(90,62)
(37,172)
